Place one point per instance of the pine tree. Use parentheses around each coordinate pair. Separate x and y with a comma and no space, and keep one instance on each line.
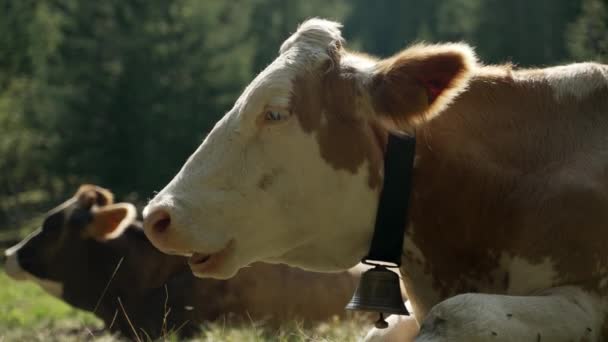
(587,37)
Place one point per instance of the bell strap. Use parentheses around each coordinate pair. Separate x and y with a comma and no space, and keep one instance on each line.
(392,213)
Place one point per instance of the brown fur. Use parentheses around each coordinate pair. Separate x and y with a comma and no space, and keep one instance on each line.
(507,170)
(335,96)
(419,81)
(107,221)
(344,138)
(504,171)
(89,194)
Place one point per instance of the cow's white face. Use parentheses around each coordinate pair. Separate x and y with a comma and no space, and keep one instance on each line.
(291,174)
(264,184)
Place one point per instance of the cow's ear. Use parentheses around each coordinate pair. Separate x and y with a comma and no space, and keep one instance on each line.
(110,221)
(89,195)
(419,82)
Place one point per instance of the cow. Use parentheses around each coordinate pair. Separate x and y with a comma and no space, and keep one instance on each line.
(93,254)
(508,217)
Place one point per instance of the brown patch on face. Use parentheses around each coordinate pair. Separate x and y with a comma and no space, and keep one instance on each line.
(326,105)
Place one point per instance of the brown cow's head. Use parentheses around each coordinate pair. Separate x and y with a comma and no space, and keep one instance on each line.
(293,172)
(51,254)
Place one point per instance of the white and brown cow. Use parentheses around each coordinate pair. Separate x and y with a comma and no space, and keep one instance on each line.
(508,225)
(90,252)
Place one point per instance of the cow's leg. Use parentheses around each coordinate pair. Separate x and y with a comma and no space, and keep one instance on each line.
(400,329)
(559,314)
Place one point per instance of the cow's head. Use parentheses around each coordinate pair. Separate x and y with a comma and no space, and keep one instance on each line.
(293,171)
(48,256)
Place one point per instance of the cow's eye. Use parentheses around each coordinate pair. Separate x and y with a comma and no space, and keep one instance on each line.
(273,115)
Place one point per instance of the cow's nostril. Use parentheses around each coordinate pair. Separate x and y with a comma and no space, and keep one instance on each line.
(158,222)
(161,225)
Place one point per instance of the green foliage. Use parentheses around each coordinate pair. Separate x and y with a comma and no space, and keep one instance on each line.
(520,31)
(273,20)
(141,83)
(524,32)
(588,35)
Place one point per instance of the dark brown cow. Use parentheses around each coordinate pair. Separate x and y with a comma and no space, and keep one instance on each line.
(91,252)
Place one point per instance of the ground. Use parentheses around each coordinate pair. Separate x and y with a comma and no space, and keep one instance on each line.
(28,314)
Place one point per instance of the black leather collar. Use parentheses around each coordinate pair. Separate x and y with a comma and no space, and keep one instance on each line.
(392,214)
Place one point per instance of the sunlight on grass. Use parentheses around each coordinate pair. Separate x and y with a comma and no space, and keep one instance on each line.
(27,313)
(334,330)
(24,304)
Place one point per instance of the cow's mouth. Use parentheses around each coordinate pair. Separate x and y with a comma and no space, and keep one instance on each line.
(201,263)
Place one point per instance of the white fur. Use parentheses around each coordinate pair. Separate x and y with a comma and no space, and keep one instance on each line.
(526,277)
(577,80)
(424,280)
(215,198)
(228,202)
(560,314)
(314,34)
(400,329)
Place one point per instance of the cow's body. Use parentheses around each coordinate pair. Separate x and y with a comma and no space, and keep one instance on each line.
(158,292)
(527,181)
(507,225)
(518,175)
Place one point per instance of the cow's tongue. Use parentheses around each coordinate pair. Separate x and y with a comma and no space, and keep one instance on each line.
(198,258)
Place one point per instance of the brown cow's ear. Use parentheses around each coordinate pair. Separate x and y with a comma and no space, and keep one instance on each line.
(110,221)
(89,195)
(419,82)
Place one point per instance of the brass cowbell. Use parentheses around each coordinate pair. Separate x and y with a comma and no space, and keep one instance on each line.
(379,291)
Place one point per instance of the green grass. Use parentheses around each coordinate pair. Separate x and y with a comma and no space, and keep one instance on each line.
(27,313)
(24,304)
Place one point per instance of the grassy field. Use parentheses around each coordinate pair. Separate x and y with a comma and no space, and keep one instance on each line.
(27,313)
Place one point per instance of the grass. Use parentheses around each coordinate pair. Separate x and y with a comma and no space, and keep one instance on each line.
(25,304)
(27,313)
